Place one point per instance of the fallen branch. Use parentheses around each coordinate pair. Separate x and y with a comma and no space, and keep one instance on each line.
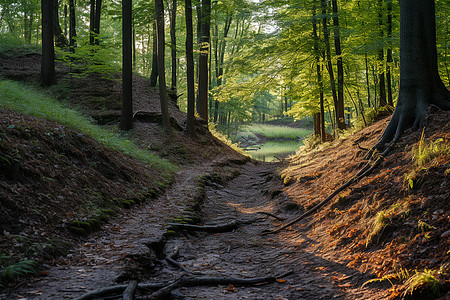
(361,174)
(270,215)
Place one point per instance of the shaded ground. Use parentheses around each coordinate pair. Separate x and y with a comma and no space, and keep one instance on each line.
(331,254)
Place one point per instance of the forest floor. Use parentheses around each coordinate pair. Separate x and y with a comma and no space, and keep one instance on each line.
(378,228)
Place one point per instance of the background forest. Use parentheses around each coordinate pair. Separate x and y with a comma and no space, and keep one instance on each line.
(335,62)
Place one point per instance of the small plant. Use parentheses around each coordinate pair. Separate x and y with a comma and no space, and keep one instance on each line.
(381,221)
(401,275)
(13,271)
(420,281)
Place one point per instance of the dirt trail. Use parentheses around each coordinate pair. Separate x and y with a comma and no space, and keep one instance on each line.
(244,253)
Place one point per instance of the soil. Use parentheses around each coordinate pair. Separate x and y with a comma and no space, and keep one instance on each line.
(330,255)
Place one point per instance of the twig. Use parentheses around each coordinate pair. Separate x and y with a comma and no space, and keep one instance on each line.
(129,292)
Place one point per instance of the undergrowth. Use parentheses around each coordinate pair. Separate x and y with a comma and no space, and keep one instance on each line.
(25,99)
(11,271)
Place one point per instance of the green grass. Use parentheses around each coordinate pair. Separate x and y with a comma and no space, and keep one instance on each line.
(275,132)
(270,149)
(27,100)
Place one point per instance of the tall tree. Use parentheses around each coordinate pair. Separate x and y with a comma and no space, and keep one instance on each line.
(420,84)
(72,25)
(381,77)
(98,10)
(339,106)
(154,73)
(159,11)
(60,39)
(190,69)
(389,54)
(203,86)
(48,74)
(126,120)
(173,45)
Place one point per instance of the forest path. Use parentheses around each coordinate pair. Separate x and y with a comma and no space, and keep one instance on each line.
(118,250)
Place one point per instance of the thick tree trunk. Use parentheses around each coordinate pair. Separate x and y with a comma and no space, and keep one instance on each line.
(60,39)
(159,11)
(98,10)
(190,69)
(154,74)
(202,99)
(126,120)
(48,75)
(420,84)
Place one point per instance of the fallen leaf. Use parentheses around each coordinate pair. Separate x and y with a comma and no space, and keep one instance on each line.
(281,280)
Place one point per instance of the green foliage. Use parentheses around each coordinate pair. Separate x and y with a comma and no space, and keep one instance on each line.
(275,132)
(16,270)
(30,101)
(92,59)
(12,45)
(422,280)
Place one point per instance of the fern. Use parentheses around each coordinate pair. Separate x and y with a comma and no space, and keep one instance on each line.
(23,267)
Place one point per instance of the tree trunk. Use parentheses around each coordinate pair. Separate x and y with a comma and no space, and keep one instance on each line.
(173,45)
(159,11)
(60,39)
(202,99)
(328,54)
(154,74)
(190,69)
(367,79)
(72,25)
(48,75)
(389,54)
(381,78)
(420,84)
(340,117)
(91,22)
(126,120)
(98,10)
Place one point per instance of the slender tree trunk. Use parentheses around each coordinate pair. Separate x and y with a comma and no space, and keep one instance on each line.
(173,46)
(367,79)
(126,120)
(320,118)
(190,69)
(48,75)
(340,69)
(159,11)
(65,20)
(91,22)
(72,26)
(328,53)
(381,77)
(202,99)
(154,74)
(134,48)
(389,54)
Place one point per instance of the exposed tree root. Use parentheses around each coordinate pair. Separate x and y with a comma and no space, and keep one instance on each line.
(129,292)
(368,168)
(162,290)
(217,228)
(270,215)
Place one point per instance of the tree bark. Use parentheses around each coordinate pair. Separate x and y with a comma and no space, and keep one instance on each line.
(98,10)
(72,26)
(328,55)
(340,116)
(202,99)
(420,84)
(126,120)
(173,45)
(91,22)
(381,77)
(190,69)
(48,75)
(154,74)
(159,11)
(60,39)
(389,55)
